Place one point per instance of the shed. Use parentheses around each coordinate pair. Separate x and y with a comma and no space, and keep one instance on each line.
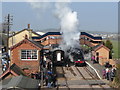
(20,83)
(13,70)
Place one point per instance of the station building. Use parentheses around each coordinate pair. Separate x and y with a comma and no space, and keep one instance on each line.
(49,39)
(89,40)
(20,35)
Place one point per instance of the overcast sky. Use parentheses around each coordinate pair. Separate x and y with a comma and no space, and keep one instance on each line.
(92,16)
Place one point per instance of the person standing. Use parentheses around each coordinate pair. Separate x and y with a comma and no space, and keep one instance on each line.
(107,73)
(46,79)
(54,80)
(49,81)
(104,73)
(113,72)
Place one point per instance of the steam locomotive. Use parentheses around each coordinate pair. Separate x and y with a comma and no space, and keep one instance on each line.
(77,56)
(74,56)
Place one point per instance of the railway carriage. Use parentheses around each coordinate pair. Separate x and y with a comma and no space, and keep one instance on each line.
(58,57)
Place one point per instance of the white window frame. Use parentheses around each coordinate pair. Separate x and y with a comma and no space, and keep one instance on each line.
(28,59)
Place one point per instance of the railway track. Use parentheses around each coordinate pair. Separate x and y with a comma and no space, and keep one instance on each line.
(78,77)
(84,77)
(61,79)
(94,86)
(93,77)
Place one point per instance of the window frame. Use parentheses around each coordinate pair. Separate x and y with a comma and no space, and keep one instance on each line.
(26,56)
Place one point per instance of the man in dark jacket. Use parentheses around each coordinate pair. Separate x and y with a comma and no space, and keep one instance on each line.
(54,80)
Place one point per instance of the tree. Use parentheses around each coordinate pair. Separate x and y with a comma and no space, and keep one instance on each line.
(109,45)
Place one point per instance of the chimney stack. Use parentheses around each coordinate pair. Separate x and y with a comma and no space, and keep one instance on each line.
(28,26)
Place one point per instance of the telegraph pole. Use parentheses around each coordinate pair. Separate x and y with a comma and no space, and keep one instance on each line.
(8,23)
(41,67)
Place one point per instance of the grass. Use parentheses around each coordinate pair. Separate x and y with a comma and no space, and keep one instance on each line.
(116,49)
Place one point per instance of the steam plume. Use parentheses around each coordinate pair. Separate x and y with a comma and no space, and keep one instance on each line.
(69,26)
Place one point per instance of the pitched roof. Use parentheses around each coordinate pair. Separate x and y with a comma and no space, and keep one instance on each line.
(14,70)
(26,41)
(24,30)
(89,35)
(17,69)
(95,48)
(20,82)
(46,34)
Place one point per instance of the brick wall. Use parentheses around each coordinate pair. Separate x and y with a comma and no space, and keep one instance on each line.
(111,61)
(32,65)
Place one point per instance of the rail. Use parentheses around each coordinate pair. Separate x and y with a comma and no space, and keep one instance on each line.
(94,70)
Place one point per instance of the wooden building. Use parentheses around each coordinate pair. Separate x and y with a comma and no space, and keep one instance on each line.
(26,54)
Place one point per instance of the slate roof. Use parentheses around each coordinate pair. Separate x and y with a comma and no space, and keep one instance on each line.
(46,34)
(20,82)
(89,35)
(27,40)
(13,69)
(17,69)
(96,46)
(99,46)
(24,30)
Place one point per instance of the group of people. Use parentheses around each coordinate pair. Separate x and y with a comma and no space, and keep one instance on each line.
(46,74)
(109,73)
(36,75)
(95,60)
(5,64)
(50,79)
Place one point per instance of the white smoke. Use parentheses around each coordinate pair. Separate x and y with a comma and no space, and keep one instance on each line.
(69,26)
(38,5)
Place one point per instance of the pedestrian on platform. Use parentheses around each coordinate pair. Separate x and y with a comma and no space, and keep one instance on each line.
(92,58)
(46,80)
(54,80)
(114,69)
(36,75)
(107,73)
(49,81)
(112,73)
(33,75)
(104,73)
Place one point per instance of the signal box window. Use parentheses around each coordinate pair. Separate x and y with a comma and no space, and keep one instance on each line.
(29,54)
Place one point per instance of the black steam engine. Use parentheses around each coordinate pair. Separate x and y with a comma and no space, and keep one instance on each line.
(74,56)
(78,58)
